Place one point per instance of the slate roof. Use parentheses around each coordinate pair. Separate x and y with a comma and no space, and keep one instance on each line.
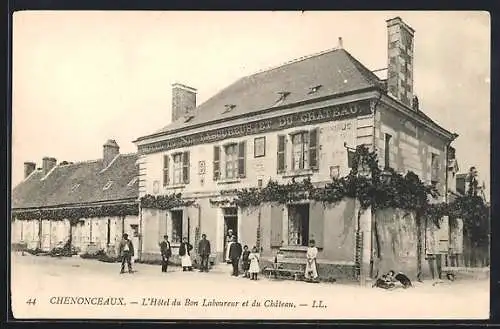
(57,189)
(335,70)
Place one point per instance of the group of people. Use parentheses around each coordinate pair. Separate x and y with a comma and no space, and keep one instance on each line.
(185,249)
(235,255)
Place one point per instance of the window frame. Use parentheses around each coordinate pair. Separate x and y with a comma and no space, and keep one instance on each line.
(177,168)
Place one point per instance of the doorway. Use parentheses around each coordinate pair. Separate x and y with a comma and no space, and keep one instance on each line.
(230,223)
(298,224)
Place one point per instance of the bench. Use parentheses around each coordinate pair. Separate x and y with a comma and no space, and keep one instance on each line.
(279,272)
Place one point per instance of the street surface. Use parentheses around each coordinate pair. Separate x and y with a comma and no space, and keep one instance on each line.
(46,287)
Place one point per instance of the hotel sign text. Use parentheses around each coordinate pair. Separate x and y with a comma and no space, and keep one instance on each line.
(310,117)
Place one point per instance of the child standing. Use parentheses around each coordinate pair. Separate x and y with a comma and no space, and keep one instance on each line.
(254,264)
(245,261)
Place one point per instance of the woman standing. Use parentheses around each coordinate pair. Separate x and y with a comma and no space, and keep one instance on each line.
(254,263)
(229,241)
(184,251)
(311,269)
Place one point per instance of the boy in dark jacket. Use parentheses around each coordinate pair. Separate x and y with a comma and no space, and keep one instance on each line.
(166,253)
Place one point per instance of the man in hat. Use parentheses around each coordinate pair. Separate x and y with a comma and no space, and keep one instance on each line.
(126,251)
(235,251)
(204,252)
(166,253)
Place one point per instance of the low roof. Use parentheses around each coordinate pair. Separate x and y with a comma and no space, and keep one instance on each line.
(60,187)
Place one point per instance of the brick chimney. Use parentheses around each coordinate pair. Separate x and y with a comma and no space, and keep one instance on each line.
(183,100)
(400,60)
(29,167)
(110,150)
(47,164)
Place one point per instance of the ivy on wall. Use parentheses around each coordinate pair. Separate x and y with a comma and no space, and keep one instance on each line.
(366,182)
(75,214)
(165,202)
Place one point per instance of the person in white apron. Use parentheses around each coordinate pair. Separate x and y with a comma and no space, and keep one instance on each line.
(311,273)
(184,252)
(229,241)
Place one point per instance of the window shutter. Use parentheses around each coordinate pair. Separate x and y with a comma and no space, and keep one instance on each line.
(276,226)
(316,223)
(241,159)
(216,163)
(185,167)
(313,149)
(281,156)
(166,176)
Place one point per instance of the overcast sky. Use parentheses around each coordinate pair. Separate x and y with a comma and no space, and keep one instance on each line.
(80,78)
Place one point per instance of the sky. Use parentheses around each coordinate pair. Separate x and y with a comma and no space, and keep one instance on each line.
(81,78)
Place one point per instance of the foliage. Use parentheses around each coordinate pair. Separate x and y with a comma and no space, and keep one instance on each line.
(165,202)
(75,214)
(370,187)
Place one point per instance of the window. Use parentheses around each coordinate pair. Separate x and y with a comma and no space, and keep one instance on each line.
(166,175)
(282,97)
(181,168)
(298,225)
(387,151)
(234,161)
(434,168)
(300,144)
(228,108)
(231,162)
(107,186)
(177,170)
(132,182)
(281,153)
(176,236)
(314,89)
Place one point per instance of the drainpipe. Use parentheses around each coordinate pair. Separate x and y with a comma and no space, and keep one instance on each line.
(139,248)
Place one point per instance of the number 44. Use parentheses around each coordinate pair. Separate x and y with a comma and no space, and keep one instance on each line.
(31,301)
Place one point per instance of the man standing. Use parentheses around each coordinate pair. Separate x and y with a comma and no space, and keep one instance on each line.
(204,252)
(235,254)
(166,253)
(126,251)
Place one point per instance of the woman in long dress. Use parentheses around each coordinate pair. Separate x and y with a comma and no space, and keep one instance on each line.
(311,266)
(184,251)
(229,240)
(254,258)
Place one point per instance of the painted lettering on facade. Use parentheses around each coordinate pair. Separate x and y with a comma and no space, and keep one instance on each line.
(267,125)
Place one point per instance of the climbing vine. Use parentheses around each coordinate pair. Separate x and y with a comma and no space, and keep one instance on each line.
(165,202)
(370,188)
(75,214)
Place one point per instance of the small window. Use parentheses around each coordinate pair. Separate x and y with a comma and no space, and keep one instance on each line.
(229,108)
(282,97)
(74,187)
(434,168)
(108,185)
(132,182)
(188,118)
(177,168)
(387,151)
(314,89)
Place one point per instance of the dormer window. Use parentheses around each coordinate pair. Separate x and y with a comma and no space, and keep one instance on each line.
(282,97)
(314,89)
(74,187)
(229,108)
(108,185)
(188,117)
(132,182)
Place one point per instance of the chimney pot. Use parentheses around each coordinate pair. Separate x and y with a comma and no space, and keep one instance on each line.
(110,150)
(341,43)
(183,100)
(29,167)
(47,164)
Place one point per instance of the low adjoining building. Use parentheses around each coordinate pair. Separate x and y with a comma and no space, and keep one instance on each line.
(91,202)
